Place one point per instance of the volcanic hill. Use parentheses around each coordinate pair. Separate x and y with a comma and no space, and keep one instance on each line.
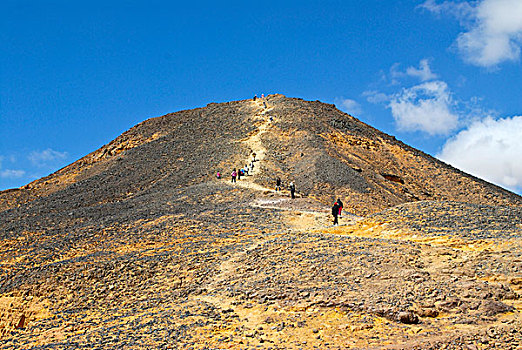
(139,245)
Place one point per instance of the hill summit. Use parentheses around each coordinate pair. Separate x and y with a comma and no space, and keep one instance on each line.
(326,152)
(140,245)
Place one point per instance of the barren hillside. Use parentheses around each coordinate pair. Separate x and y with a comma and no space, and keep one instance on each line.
(139,245)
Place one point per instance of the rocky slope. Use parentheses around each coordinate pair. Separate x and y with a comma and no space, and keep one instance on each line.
(137,245)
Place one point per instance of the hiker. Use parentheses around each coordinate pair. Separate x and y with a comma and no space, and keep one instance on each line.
(292,190)
(262,95)
(252,165)
(271,119)
(278,184)
(254,156)
(218,175)
(239,174)
(340,206)
(264,104)
(234,174)
(335,213)
(255,97)
(246,169)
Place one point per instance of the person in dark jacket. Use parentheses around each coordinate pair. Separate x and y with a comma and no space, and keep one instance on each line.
(278,184)
(292,190)
(340,206)
(335,213)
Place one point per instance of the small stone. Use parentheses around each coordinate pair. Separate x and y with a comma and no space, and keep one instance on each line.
(21,322)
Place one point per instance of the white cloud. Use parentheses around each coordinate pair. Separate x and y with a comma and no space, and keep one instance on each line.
(396,74)
(42,158)
(376,97)
(11,174)
(460,10)
(427,107)
(349,106)
(423,73)
(494,29)
(490,149)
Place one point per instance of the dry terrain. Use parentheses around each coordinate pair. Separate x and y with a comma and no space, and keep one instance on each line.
(137,245)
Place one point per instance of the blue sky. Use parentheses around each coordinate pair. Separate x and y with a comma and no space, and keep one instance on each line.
(442,76)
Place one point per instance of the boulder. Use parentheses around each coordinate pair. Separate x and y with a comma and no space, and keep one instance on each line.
(408,317)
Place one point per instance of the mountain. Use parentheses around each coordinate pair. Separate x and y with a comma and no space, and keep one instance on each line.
(139,245)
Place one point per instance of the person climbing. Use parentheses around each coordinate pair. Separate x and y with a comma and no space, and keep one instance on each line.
(292,190)
(264,104)
(278,184)
(234,174)
(218,175)
(254,156)
(335,213)
(340,206)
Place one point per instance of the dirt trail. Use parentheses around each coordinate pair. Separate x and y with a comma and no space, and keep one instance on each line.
(256,145)
(276,199)
(303,213)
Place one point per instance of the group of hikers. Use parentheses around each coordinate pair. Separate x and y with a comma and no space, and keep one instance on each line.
(237,173)
(245,170)
(337,207)
(248,168)
(262,99)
